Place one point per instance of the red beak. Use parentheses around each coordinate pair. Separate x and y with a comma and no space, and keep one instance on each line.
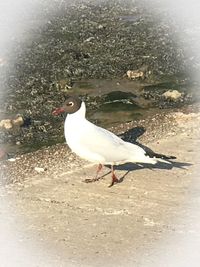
(58,111)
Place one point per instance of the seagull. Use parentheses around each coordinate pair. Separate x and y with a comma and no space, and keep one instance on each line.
(98,145)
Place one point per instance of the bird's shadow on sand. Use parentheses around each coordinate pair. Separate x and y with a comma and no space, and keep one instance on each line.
(129,167)
(131,136)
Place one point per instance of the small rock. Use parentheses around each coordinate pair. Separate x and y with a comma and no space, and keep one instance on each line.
(19,121)
(7,124)
(100,27)
(12,159)
(172,95)
(135,74)
(39,169)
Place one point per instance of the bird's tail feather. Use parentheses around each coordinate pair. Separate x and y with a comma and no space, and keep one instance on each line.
(153,160)
(160,157)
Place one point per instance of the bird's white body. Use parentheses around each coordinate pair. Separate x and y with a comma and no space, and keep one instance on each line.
(98,145)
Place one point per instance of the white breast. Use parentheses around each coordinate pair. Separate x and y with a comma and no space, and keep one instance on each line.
(76,129)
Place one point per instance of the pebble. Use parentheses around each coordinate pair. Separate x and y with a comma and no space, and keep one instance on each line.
(39,169)
(12,159)
(172,94)
(19,121)
(135,74)
(7,124)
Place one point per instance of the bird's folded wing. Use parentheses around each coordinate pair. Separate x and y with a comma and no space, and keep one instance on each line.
(109,146)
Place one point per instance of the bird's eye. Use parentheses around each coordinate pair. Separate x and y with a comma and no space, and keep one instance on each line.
(70,104)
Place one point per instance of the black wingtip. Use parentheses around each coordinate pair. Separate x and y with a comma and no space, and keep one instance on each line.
(171,157)
(161,156)
(152,154)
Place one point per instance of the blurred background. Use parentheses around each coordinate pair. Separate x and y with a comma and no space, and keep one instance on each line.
(127,59)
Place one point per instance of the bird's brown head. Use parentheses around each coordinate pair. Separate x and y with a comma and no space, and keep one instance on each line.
(70,106)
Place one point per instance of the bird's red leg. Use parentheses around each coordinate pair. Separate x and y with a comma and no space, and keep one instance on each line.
(100,166)
(114,178)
